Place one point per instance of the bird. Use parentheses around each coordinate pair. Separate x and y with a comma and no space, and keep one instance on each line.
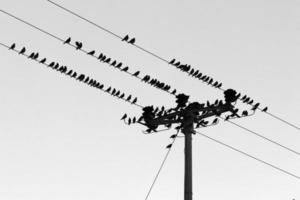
(245,113)
(265,109)
(100,56)
(227,117)
(124,117)
(125,69)
(128,98)
(108,60)
(215,121)
(56,67)
(91,53)
(129,121)
(67,41)
(118,93)
(31,55)
(132,41)
(133,120)
(70,73)
(81,77)
(22,50)
(12,47)
(134,100)
(108,89)
(36,56)
(173,92)
(172,61)
(136,73)
(255,106)
(119,65)
(43,60)
(169,146)
(125,38)
(86,79)
(114,91)
(220,85)
(122,96)
(78,45)
(51,64)
(101,87)
(177,64)
(173,136)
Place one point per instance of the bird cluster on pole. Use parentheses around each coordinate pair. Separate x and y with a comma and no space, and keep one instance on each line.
(119,65)
(79,77)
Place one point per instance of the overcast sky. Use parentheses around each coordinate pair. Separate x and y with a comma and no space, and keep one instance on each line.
(63,140)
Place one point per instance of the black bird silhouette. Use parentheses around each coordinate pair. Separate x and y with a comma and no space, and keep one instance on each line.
(122,96)
(172,61)
(227,117)
(265,109)
(125,69)
(251,102)
(136,73)
(173,136)
(128,98)
(31,55)
(134,100)
(129,121)
(245,113)
(177,64)
(100,56)
(132,41)
(113,63)
(219,86)
(108,60)
(43,60)
(56,66)
(22,50)
(244,97)
(51,64)
(67,41)
(103,58)
(12,46)
(125,38)
(174,92)
(215,121)
(86,79)
(108,89)
(114,91)
(255,106)
(101,87)
(91,53)
(36,56)
(81,77)
(124,117)
(169,146)
(118,93)
(119,65)
(78,45)
(133,119)
(70,72)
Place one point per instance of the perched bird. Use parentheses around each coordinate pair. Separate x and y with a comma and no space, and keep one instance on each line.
(122,96)
(134,100)
(70,73)
(255,106)
(129,121)
(251,102)
(227,117)
(114,91)
(173,92)
(118,93)
(107,60)
(22,50)
(81,77)
(136,73)
(219,86)
(172,61)
(36,56)
(12,46)
(86,79)
(43,60)
(173,136)
(177,64)
(125,38)
(91,53)
(215,121)
(265,109)
(113,63)
(124,117)
(100,56)
(78,45)
(51,64)
(31,55)
(169,146)
(132,41)
(128,98)
(125,69)
(56,66)
(119,65)
(67,41)
(245,113)
(133,120)
(101,87)
(108,89)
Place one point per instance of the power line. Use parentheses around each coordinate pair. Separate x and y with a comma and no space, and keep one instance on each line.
(166,87)
(72,73)
(161,166)
(261,136)
(250,156)
(151,53)
(46,32)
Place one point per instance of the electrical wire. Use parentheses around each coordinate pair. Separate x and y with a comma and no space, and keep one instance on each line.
(160,168)
(24,54)
(261,136)
(81,49)
(46,32)
(151,53)
(250,156)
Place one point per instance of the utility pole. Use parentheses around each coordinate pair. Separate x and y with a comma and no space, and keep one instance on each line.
(186,115)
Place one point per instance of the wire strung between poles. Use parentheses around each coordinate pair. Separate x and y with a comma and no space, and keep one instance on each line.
(149,52)
(250,156)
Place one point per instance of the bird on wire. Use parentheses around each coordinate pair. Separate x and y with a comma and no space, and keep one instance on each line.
(134,100)
(265,109)
(22,50)
(136,73)
(172,61)
(12,47)
(132,41)
(125,38)
(169,146)
(67,41)
(43,60)
(78,45)
(124,117)
(91,53)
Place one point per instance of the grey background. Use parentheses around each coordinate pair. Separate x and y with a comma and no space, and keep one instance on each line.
(60,139)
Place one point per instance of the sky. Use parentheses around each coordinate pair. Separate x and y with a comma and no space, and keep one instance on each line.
(63,140)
